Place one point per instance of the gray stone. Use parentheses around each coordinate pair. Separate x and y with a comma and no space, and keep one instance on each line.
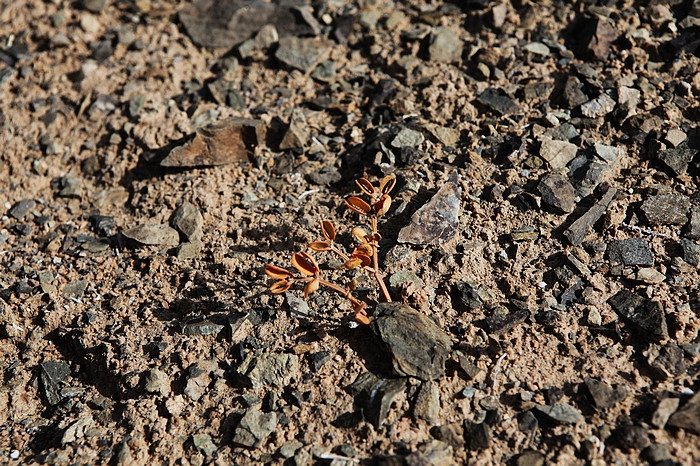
(204,443)
(666,209)
(677,158)
(498,101)
(466,296)
(404,276)
(665,362)
(610,154)
(407,138)
(136,104)
(273,369)
(558,193)
(630,252)
(205,327)
(296,305)
(646,314)
(326,175)
(301,53)
(663,411)
(187,219)
(325,71)
(530,458)
(254,428)
(188,250)
(96,245)
(452,434)
(629,437)
(573,93)
(70,187)
(19,210)
(432,453)
(53,373)
(565,132)
(154,234)
(688,417)
(598,107)
(156,381)
(693,231)
(477,435)
(94,6)
(658,453)
(675,137)
(497,324)
(77,430)
(649,275)
(437,220)
(289,449)
(199,378)
(75,289)
(418,347)
(297,135)
(427,405)
(561,413)
(446,136)
(46,282)
(691,251)
(374,396)
(445,45)
(578,230)
(604,396)
(538,48)
(557,153)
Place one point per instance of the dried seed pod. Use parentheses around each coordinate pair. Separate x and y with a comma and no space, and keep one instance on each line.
(353,263)
(358,205)
(363,249)
(311,287)
(273,271)
(304,263)
(328,230)
(365,186)
(360,234)
(365,260)
(382,205)
(361,314)
(387,184)
(280,287)
(319,246)
(352,285)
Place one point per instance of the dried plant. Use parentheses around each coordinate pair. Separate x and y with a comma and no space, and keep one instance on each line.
(365,256)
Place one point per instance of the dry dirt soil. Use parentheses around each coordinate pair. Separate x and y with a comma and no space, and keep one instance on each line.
(544,226)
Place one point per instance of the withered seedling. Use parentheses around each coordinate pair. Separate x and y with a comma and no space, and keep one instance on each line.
(364,257)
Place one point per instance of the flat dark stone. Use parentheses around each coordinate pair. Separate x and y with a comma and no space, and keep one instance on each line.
(418,347)
(205,327)
(477,436)
(374,395)
(52,374)
(642,312)
(665,362)
(498,324)
(604,396)
(558,193)
(578,230)
(688,416)
(19,210)
(631,436)
(562,413)
(666,209)
(466,296)
(677,158)
(630,252)
(498,101)
(691,251)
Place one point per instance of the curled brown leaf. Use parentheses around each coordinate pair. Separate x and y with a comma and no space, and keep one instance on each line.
(360,234)
(304,263)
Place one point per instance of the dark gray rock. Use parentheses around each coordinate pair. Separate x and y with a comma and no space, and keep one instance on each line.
(561,413)
(677,158)
(691,251)
(497,324)
(445,45)
(427,406)
(19,210)
(477,436)
(302,53)
(498,101)
(646,314)
(325,71)
(433,453)
(527,422)
(436,221)
(631,436)
(53,373)
(688,417)
(594,36)
(666,209)
(318,359)
(273,369)
(418,347)
(665,362)
(326,175)
(204,443)
(557,193)
(153,234)
(466,296)
(187,219)
(659,454)
(630,252)
(374,396)
(663,411)
(604,396)
(573,93)
(578,230)
(565,132)
(693,231)
(297,135)
(598,107)
(254,428)
(103,225)
(296,305)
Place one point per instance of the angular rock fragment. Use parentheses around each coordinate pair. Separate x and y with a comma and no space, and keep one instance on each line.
(561,413)
(444,45)
(663,411)
(75,289)
(156,381)
(665,362)
(297,135)
(598,107)
(466,296)
(226,23)
(688,417)
(187,219)
(199,378)
(477,435)
(578,230)
(604,396)
(274,369)
(557,153)
(52,374)
(630,252)
(302,53)
(642,312)
(666,209)
(77,430)
(407,137)
(438,220)
(497,324)
(690,251)
(418,347)
(433,453)
(204,443)
(677,158)
(374,395)
(204,327)
(630,436)
(226,141)
(153,234)
(19,210)
(254,428)
(558,193)
(498,101)
(594,38)
(427,406)
(573,93)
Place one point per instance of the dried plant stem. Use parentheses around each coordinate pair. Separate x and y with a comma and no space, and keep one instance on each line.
(375,264)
